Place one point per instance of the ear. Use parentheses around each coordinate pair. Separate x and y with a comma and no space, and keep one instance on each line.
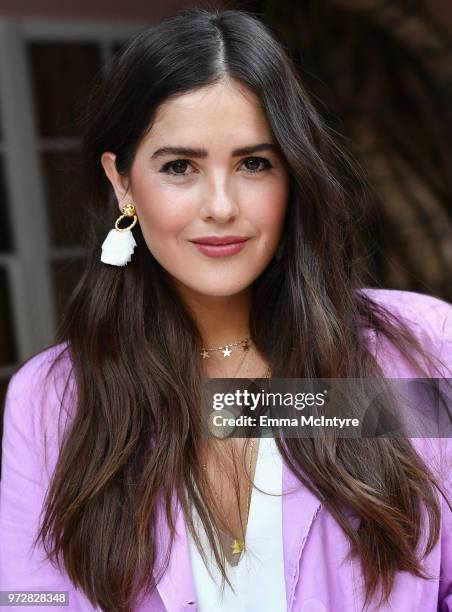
(118,181)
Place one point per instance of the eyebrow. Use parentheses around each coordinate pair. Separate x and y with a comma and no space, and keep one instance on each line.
(202,153)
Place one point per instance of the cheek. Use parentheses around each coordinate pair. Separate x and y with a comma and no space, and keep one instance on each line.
(160,213)
(271,211)
(158,222)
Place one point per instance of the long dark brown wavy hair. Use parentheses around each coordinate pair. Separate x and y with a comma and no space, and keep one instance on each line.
(136,432)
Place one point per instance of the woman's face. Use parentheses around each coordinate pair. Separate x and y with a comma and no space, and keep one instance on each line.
(208,167)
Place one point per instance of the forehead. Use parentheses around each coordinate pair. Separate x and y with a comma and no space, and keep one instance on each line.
(226,106)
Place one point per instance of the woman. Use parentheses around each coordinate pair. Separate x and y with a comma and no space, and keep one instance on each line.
(200,133)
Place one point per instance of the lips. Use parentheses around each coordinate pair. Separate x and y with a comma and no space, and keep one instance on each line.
(215,246)
(220,240)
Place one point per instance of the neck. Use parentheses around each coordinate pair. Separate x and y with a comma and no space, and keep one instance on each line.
(220,319)
(224,320)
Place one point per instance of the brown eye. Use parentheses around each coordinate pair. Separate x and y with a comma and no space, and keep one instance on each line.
(176,168)
(254,164)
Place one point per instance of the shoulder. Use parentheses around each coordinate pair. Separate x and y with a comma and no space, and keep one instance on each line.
(32,372)
(428,317)
(41,375)
(431,313)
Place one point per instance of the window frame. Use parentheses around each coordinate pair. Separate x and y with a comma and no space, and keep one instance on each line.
(28,265)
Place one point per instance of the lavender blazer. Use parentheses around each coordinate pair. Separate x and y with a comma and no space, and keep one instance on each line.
(316,576)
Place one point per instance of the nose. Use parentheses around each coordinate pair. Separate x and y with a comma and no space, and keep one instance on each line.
(219,206)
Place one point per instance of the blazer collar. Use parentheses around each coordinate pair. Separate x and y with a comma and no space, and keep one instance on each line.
(299,509)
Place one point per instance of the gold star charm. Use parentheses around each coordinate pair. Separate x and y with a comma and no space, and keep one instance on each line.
(237,547)
(204,354)
(227,351)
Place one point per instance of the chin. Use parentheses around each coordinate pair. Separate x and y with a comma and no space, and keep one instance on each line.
(219,291)
(213,289)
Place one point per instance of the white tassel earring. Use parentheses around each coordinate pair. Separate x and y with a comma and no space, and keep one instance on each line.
(118,246)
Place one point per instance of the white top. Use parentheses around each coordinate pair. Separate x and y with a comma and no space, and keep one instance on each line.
(258,578)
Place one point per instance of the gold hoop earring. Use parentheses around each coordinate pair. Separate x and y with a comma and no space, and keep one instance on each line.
(127,211)
(118,246)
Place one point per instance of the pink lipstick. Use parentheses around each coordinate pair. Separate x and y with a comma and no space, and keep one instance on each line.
(220,246)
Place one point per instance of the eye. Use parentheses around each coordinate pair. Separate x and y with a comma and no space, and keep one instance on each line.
(178,165)
(255,161)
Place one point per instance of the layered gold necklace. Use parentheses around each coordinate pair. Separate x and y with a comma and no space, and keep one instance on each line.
(238,544)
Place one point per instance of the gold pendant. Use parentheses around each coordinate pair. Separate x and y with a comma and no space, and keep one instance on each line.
(238,546)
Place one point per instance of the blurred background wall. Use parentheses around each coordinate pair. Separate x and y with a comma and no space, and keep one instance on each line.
(381,76)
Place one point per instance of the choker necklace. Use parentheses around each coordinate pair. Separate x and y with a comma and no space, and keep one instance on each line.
(245,344)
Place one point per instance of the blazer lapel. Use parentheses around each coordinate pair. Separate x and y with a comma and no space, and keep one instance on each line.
(299,509)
